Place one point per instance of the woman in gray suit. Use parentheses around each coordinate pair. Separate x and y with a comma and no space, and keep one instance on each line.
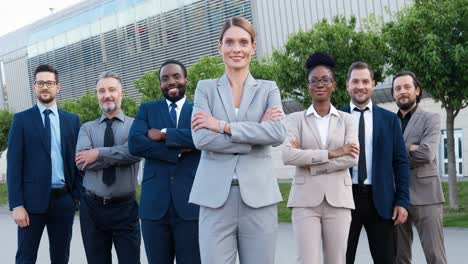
(322,144)
(235,121)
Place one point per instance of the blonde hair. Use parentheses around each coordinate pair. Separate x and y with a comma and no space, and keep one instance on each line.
(237,21)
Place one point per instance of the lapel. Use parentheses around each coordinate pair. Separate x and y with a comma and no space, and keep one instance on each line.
(164,112)
(331,127)
(224,91)
(39,126)
(248,93)
(63,129)
(313,127)
(376,122)
(413,120)
(185,114)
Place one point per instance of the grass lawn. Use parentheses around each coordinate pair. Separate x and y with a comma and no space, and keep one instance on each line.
(452,218)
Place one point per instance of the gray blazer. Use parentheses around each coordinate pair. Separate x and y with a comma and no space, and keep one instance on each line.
(423,129)
(247,151)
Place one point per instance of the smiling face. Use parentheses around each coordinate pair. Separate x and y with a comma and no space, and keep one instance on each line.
(236,48)
(110,94)
(405,92)
(321,92)
(46,87)
(360,87)
(173,82)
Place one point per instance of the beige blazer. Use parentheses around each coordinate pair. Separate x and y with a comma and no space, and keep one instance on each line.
(423,129)
(317,177)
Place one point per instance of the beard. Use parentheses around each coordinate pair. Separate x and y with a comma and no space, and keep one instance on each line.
(46,100)
(108,108)
(175,98)
(405,106)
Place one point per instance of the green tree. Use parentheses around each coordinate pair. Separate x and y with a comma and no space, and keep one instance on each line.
(430,39)
(87,107)
(342,39)
(6,117)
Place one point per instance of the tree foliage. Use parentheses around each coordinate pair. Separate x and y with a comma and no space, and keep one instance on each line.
(87,107)
(6,117)
(342,39)
(429,38)
(207,67)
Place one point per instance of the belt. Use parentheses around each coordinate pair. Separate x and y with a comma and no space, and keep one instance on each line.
(235,182)
(58,192)
(110,200)
(362,188)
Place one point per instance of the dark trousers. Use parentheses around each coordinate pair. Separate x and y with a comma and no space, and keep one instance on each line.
(380,232)
(102,225)
(169,237)
(59,221)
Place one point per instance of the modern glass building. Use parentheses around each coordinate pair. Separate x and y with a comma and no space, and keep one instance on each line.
(132,37)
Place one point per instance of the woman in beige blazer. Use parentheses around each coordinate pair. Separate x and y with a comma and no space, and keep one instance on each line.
(322,144)
(235,121)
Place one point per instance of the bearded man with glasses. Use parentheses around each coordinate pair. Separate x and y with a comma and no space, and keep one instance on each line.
(41,175)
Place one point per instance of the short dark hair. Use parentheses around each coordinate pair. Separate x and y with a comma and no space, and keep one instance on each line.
(320,58)
(416,83)
(359,65)
(47,68)
(173,62)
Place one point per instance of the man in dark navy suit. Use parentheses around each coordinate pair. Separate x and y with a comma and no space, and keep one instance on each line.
(381,179)
(41,175)
(161,134)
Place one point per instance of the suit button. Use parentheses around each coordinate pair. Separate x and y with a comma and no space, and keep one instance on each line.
(235,154)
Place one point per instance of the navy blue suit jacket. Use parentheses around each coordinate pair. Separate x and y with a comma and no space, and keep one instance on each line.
(390,167)
(166,174)
(29,167)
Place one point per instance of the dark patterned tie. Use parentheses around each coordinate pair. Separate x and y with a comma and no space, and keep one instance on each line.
(108,174)
(362,168)
(173,114)
(48,133)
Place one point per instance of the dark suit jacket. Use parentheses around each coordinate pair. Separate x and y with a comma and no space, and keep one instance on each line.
(390,169)
(29,167)
(166,175)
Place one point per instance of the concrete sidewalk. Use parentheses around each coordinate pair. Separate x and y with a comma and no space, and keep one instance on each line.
(456,242)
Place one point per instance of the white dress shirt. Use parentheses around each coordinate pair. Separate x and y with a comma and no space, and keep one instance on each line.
(179,104)
(369,133)
(322,123)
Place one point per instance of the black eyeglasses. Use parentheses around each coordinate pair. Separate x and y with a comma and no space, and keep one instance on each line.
(40,84)
(324,81)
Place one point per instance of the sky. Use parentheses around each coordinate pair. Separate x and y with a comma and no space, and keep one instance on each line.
(15,14)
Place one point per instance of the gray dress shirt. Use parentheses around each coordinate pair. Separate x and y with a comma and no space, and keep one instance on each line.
(92,136)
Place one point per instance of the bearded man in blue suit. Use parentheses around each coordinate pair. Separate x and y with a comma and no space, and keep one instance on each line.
(43,182)
(162,135)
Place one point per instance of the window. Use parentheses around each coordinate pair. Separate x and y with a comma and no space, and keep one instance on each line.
(443,160)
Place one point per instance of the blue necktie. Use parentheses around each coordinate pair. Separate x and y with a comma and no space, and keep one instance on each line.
(48,133)
(362,168)
(173,114)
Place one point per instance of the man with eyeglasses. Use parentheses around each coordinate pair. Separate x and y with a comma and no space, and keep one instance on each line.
(381,179)
(43,182)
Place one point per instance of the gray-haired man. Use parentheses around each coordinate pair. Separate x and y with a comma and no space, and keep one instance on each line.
(108,210)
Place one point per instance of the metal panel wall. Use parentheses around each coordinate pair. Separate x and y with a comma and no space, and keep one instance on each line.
(185,31)
(275,20)
(16,80)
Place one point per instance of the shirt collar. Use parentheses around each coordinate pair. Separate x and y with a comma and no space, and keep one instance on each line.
(311,111)
(120,116)
(409,114)
(53,108)
(352,106)
(179,103)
